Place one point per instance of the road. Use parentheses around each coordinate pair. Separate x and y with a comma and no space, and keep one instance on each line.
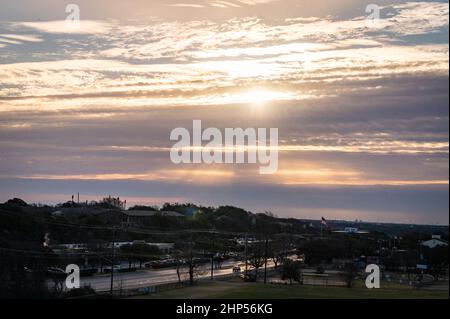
(150,277)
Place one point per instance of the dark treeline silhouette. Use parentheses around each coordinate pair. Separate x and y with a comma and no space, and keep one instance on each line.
(199,233)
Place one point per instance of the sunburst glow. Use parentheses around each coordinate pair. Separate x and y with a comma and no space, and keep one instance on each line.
(260,97)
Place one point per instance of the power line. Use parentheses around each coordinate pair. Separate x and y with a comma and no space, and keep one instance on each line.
(138,231)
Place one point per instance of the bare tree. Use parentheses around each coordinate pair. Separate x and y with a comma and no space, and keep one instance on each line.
(349,274)
(180,263)
(291,271)
(257,257)
(277,252)
(187,259)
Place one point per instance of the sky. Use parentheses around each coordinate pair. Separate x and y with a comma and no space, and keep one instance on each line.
(361,104)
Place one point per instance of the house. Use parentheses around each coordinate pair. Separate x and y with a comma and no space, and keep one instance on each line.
(73,211)
(69,248)
(134,218)
(140,217)
(351,230)
(166,248)
(435,241)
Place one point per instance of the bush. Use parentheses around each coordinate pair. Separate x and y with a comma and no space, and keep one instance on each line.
(80,292)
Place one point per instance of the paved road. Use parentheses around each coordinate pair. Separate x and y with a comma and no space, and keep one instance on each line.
(149,277)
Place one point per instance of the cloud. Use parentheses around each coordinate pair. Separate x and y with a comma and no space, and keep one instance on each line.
(358,106)
(255,2)
(221,4)
(64,27)
(413,18)
(19,38)
(198,177)
(186,5)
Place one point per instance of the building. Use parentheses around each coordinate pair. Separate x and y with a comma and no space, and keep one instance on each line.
(140,217)
(351,230)
(165,248)
(133,218)
(69,248)
(434,242)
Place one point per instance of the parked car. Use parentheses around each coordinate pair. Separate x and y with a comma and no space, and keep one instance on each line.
(162,263)
(320,270)
(116,268)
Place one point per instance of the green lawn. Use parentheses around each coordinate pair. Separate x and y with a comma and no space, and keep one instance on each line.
(241,290)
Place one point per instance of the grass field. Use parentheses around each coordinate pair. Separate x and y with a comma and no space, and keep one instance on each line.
(241,290)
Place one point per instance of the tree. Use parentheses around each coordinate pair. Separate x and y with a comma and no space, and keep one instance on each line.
(23,277)
(80,292)
(257,256)
(180,263)
(291,271)
(187,259)
(317,251)
(278,251)
(349,273)
(409,260)
(17,202)
(139,252)
(437,259)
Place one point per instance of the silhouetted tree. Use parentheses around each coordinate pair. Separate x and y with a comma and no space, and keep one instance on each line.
(291,271)
(349,273)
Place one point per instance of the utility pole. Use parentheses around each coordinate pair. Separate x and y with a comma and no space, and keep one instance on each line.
(191,262)
(212,257)
(246,258)
(265,260)
(113,261)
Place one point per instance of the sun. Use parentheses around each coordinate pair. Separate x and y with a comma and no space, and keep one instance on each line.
(258,97)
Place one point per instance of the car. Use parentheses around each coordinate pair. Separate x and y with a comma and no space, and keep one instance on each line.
(116,268)
(236,269)
(320,270)
(163,263)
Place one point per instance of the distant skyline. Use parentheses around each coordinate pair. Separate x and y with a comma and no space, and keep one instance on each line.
(361,106)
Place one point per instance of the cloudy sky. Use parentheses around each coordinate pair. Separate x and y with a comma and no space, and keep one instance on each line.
(360,104)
